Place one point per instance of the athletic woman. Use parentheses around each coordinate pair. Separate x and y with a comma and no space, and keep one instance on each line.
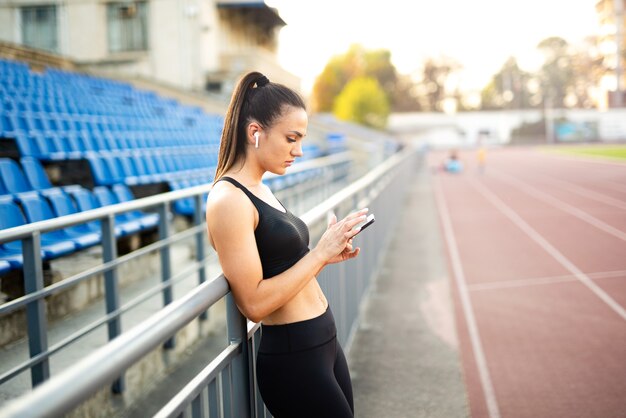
(264,253)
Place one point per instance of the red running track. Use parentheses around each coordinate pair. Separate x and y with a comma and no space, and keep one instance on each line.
(537,257)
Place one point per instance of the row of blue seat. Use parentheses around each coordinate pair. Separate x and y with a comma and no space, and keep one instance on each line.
(146,169)
(59,100)
(35,102)
(70,146)
(17,210)
(61,92)
(13,121)
(55,102)
(13,180)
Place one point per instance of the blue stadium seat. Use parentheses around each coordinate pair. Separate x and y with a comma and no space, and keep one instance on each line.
(159,163)
(182,206)
(7,124)
(123,194)
(63,205)
(85,200)
(10,217)
(25,146)
(5,266)
(130,172)
(105,197)
(12,177)
(3,189)
(115,168)
(99,169)
(35,173)
(45,145)
(37,209)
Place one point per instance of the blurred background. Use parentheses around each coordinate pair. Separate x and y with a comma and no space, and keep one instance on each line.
(489,133)
(443,59)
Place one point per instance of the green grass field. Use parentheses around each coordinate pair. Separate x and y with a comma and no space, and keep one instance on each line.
(611,152)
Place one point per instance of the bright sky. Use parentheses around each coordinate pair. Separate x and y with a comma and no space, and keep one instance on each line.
(481,34)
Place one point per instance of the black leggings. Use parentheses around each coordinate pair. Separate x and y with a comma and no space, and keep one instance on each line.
(302,372)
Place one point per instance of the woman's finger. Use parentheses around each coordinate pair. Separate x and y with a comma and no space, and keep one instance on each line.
(356,214)
(331,218)
(354,222)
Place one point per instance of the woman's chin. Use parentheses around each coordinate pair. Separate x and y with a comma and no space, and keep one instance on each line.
(279,171)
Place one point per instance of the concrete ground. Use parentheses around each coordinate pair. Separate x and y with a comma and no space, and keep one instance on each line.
(404,358)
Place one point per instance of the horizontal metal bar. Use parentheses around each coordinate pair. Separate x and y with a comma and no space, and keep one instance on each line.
(77,278)
(178,403)
(23,231)
(59,395)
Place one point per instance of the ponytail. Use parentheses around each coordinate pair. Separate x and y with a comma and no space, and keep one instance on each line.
(255,98)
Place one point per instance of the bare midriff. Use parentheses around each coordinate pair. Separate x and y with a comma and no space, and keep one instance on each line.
(307,304)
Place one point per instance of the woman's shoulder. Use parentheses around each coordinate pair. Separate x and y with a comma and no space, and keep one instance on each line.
(226,199)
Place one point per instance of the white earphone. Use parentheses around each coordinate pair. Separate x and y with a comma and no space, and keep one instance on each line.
(256,142)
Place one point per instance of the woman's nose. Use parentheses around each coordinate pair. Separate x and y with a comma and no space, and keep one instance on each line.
(297,151)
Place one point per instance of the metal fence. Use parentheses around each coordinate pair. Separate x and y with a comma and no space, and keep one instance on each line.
(226,387)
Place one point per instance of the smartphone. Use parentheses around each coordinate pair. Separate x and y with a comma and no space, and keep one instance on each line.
(368,221)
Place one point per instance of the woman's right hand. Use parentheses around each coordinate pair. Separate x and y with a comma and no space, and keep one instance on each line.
(334,242)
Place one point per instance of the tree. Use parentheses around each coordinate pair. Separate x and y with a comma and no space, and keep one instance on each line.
(405,95)
(359,62)
(556,74)
(432,88)
(336,74)
(588,66)
(508,88)
(363,101)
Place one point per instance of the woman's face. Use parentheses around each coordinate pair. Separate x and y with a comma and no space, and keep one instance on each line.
(282,143)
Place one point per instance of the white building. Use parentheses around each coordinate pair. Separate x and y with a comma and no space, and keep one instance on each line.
(196,45)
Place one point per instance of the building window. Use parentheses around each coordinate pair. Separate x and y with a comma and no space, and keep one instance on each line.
(127,26)
(39,27)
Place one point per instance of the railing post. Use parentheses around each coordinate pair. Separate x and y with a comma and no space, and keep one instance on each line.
(35,310)
(198,217)
(166,262)
(237,333)
(111,288)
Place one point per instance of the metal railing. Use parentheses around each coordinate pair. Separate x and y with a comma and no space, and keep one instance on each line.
(226,387)
(33,301)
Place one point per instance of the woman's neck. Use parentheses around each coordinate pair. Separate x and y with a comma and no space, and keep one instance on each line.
(250,174)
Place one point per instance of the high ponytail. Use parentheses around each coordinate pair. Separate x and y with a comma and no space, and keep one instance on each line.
(255,98)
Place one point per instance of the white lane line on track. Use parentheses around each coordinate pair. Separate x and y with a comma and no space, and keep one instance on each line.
(565,207)
(549,248)
(466,303)
(589,194)
(533,281)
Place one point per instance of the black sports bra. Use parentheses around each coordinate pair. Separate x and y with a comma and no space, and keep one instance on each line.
(281,237)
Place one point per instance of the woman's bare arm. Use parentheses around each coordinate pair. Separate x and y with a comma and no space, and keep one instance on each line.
(230,220)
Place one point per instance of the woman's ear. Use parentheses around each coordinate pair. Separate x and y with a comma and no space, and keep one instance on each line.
(254,130)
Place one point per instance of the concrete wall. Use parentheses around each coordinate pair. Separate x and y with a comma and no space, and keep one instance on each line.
(188,43)
(463,128)
(76,43)
(8,24)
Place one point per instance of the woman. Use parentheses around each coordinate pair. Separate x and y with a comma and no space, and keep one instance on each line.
(263,251)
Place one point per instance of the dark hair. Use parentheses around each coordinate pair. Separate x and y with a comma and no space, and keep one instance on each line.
(255,98)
